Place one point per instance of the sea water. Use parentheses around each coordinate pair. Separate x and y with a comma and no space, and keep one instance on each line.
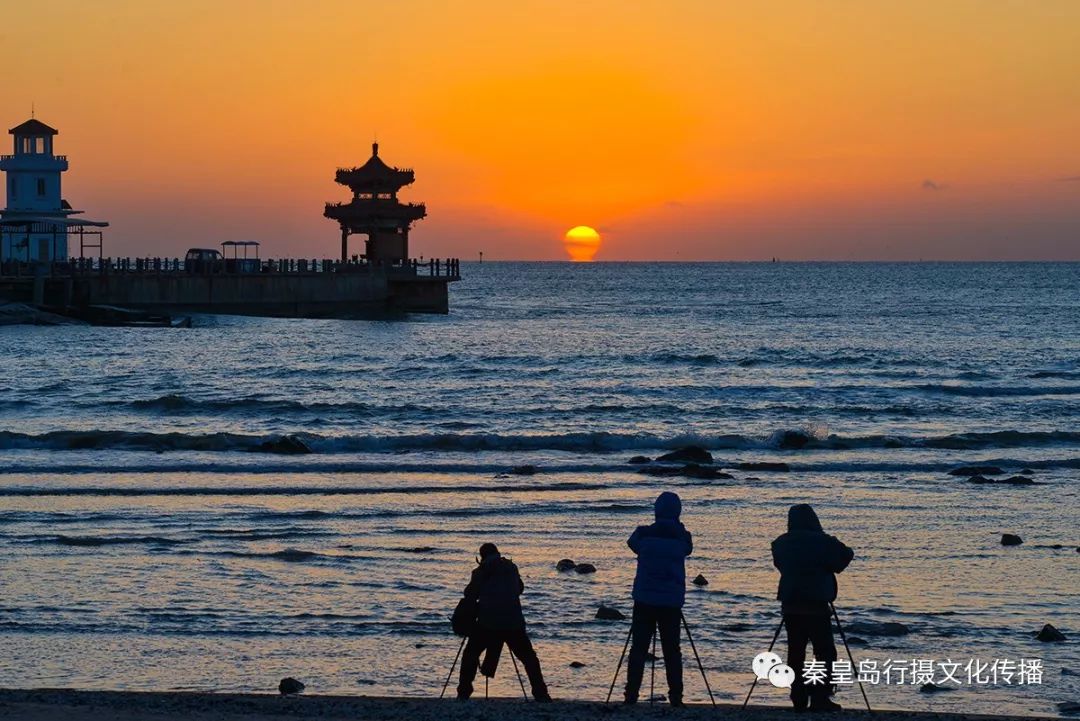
(147,541)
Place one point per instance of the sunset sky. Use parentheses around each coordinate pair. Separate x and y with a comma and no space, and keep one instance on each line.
(943,129)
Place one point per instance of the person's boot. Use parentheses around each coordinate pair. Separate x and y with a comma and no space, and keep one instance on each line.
(676,701)
(629,699)
(824,705)
(799,699)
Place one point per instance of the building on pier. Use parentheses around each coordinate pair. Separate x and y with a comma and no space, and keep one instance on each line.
(37,223)
(375,210)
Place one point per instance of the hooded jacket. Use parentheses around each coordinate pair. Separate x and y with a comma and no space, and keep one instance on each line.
(808,560)
(496,586)
(661,551)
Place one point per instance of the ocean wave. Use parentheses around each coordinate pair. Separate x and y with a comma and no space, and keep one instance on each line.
(293,490)
(998,391)
(1065,375)
(601,442)
(173,403)
(97,541)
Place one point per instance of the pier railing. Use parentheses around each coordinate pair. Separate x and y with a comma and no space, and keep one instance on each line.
(447,268)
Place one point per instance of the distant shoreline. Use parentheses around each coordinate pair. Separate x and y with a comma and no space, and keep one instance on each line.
(779,261)
(73,705)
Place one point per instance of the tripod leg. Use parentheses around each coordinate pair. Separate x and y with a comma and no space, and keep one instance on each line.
(850,657)
(652,681)
(754,685)
(616,676)
(701,668)
(486,680)
(449,675)
(518,675)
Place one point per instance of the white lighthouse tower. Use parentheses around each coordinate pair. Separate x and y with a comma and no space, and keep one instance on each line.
(36,221)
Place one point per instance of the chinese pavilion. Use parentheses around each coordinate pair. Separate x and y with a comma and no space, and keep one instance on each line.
(375,210)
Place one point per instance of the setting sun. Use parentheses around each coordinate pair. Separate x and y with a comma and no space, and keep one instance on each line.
(581,243)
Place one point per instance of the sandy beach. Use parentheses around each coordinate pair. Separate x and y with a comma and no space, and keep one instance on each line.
(69,705)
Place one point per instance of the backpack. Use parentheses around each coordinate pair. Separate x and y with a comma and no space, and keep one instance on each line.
(464,619)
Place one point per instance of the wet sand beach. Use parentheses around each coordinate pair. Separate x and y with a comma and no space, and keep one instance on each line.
(65,705)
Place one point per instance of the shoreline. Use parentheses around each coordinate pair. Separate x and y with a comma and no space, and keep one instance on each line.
(76,705)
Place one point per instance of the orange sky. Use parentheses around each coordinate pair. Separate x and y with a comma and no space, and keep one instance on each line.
(681,130)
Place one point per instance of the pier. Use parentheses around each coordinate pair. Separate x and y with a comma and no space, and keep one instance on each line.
(37,225)
(286,287)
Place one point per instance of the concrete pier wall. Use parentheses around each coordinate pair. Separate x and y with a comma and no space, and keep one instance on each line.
(293,295)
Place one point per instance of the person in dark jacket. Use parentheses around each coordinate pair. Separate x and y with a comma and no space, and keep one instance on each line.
(659,592)
(808,560)
(495,589)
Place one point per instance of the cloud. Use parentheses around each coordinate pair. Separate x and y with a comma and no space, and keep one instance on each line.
(932,185)
(1070,179)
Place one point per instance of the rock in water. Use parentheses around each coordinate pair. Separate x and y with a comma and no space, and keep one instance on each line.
(565,565)
(693,470)
(765,466)
(878,628)
(585,568)
(639,460)
(792,440)
(976,471)
(1011,481)
(1018,481)
(290,686)
(934,688)
(286,444)
(1069,707)
(690,470)
(700,581)
(689,454)
(577,664)
(606,613)
(22,314)
(1049,634)
(1009,539)
(524,470)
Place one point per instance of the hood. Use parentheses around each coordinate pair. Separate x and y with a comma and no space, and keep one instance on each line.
(668,507)
(802,518)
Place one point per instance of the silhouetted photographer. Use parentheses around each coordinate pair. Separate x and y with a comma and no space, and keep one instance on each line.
(808,560)
(659,593)
(490,616)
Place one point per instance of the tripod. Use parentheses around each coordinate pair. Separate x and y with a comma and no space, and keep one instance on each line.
(652,682)
(486,678)
(843,638)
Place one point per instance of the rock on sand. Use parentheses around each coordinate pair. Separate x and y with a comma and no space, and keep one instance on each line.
(290,686)
(1010,539)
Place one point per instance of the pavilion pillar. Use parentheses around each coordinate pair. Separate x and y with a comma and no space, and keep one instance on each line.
(344,244)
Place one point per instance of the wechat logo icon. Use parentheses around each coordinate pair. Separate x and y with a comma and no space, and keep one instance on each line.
(769,666)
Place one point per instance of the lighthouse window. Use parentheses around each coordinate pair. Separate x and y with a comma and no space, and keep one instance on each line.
(41,186)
